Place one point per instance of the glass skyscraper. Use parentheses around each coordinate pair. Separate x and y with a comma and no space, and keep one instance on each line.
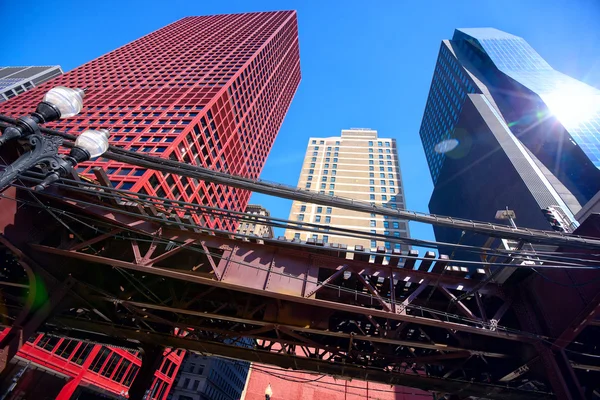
(553,116)
(501,128)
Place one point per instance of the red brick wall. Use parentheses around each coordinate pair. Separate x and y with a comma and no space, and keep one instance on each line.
(326,388)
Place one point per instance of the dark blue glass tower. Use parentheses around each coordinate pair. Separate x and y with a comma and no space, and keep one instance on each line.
(501,128)
(554,118)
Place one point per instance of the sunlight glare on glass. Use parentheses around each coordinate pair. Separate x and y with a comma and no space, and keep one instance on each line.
(445,146)
(572,104)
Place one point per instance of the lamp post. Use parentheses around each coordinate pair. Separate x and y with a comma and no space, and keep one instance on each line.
(59,103)
(268,392)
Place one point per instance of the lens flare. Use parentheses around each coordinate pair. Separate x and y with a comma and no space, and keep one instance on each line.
(445,146)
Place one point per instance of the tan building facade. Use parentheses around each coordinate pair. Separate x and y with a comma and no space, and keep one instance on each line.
(356,165)
(255,227)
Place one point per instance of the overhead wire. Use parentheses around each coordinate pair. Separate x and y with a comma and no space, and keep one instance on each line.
(216,231)
(235,215)
(178,168)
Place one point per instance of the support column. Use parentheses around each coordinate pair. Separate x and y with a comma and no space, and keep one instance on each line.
(564,385)
(152,356)
(69,389)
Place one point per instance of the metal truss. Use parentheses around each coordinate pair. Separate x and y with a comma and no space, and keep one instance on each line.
(133,281)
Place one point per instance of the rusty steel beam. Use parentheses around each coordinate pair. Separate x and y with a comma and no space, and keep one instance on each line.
(323,332)
(461,306)
(374,292)
(286,360)
(327,281)
(585,317)
(196,278)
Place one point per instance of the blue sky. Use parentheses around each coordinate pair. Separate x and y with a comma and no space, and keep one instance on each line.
(364,64)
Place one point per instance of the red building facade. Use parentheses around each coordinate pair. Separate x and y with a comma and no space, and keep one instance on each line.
(210,91)
(109,370)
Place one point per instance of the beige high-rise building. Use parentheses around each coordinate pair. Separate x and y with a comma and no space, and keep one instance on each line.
(356,165)
(255,226)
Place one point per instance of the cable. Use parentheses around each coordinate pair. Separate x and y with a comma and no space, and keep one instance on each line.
(360,234)
(236,215)
(178,168)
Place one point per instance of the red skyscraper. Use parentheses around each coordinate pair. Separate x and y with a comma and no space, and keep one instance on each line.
(210,91)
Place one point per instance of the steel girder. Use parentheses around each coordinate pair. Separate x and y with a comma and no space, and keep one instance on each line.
(293,300)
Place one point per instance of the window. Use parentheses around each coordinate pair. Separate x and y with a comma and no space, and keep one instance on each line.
(307,185)
(327,219)
(315,153)
(387,144)
(383,190)
(309,178)
(300,217)
(382,175)
(314,159)
(384,197)
(323,185)
(334,166)
(386,224)
(318,218)
(325,239)
(314,142)
(319,210)
(333,173)
(328,210)
(325,172)
(371,168)
(373,243)
(370,162)
(390,169)
(371,181)
(337,142)
(332,179)
(392,190)
(331,186)
(379,144)
(371,175)
(326,166)
(370,155)
(316,147)
(311,171)
(312,165)
(391,176)
(370,143)
(391,183)
(331,192)
(302,208)
(396,225)
(371,197)
(324,179)
(297,236)
(373,223)
(371,188)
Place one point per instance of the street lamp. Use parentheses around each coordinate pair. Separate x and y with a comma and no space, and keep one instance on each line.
(268,392)
(59,102)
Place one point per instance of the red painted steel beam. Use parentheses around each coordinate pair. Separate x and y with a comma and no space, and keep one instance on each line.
(192,277)
(284,360)
(587,316)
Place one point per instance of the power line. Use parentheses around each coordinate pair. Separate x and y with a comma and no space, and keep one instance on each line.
(178,168)
(356,234)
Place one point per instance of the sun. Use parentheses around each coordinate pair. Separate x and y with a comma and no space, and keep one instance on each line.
(572,104)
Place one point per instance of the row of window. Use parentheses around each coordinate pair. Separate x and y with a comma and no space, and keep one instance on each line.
(337,142)
(379,144)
